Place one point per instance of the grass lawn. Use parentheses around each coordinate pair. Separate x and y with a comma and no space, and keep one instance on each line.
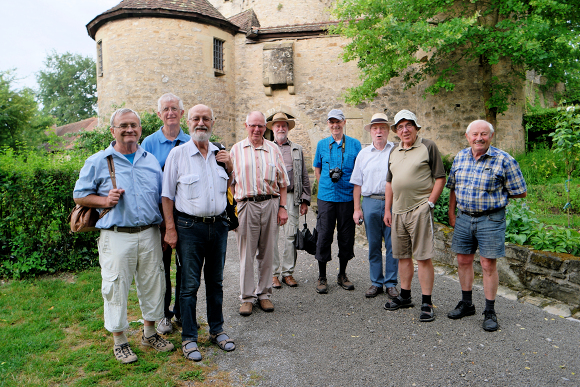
(53,335)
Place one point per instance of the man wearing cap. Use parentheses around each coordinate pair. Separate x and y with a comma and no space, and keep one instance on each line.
(170,110)
(415,180)
(260,190)
(482,180)
(333,166)
(369,178)
(297,199)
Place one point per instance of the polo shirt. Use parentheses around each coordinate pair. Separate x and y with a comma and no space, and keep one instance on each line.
(160,146)
(486,183)
(412,173)
(328,156)
(141,180)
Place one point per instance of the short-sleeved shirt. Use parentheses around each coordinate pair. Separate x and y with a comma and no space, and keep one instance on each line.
(485,184)
(141,180)
(330,155)
(412,173)
(258,171)
(197,184)
(160,146)
(370,169)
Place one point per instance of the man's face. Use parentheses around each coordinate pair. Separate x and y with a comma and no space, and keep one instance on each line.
(126,129)
(170,112)
(479,137)
(256,127)
(407,132)
(200,123)
(280,129)
(336,126)
(379,133)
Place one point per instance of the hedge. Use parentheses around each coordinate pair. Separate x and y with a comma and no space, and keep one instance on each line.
(36,198)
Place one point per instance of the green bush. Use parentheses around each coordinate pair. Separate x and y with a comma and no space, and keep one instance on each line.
(36,198)
(539,123)
(441,211)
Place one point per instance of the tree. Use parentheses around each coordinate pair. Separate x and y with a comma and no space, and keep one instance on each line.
(68,87)
(417,39)
(20,121)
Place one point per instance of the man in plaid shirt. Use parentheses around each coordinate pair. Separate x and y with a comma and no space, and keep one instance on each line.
(482,179)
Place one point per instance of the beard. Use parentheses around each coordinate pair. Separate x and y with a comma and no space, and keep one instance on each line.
(201,136)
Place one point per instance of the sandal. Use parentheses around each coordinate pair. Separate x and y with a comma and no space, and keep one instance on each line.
(427,313)
(223,341)
(191,353)
(399,302)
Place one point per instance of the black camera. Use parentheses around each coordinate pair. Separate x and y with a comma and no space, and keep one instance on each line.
(335,174)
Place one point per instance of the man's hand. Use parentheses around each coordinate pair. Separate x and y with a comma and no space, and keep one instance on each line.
(224,157)
(113,197)
(388,218)
(303,208)
(171,237)
(452,219)
(282,216)
(357,216)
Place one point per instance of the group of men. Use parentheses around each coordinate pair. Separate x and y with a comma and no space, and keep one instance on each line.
(171,194)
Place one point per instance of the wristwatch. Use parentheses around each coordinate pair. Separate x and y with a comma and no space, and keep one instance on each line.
(432,205)
(284,207)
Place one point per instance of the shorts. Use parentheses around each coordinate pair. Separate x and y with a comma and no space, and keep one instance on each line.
(412,234)
(486,232)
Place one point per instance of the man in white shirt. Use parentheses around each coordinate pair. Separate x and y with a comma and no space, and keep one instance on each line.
(369,178)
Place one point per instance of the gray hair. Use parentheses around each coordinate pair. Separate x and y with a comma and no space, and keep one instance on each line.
(210,109)
(255,111)
(123,111)
(477,122)
(169,97)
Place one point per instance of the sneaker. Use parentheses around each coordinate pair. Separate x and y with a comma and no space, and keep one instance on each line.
(322,285)
(490,321)
(342,281)
(124,354)
(157,342)
(461,310)
(164,326)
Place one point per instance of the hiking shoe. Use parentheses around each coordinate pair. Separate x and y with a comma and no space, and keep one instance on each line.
(164,326)
(461,310)
(490,321)
(399,302)
(124,354)
(157,342)
(343,282)
(322,285)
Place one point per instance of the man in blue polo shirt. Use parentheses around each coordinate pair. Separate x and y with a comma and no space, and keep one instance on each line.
(333,166)
(170,110)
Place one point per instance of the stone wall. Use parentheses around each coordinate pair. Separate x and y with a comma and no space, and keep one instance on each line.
(551,275)
(144,58)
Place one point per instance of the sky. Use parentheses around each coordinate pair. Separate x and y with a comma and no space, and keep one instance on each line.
(30,29)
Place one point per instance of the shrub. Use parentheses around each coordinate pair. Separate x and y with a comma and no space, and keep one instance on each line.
(36,198)
(539,123)
(441,211)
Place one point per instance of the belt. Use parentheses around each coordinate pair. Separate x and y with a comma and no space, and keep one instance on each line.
(482,213)
(201,219)
(259,198)
(378,197)
(130,230)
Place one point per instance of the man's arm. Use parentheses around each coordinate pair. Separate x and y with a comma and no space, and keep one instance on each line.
(452,207)
(282,213)
(388,204)
(317,174)
(437,189)
(170,232)
(357,214)
(96,201)
(522,195)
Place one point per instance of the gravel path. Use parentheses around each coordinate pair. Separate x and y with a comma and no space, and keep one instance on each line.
(345,339)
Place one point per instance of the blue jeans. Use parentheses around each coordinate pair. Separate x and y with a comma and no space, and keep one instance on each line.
(374,212)
(486,232)
(198,242)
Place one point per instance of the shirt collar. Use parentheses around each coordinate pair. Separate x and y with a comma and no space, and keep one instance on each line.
(246,142)
(388,145)
(111,151)
(180,136)
(194,149)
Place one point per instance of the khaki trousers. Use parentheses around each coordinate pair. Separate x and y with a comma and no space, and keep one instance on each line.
(286,262)
(257,234)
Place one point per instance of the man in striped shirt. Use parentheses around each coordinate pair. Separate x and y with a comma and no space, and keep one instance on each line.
(260,190)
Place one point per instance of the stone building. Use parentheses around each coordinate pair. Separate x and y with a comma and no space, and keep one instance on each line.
(242,55)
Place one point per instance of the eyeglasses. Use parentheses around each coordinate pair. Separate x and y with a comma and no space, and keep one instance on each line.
(127,126)
(204,119)
(406,126)
(173,109)
(257,126)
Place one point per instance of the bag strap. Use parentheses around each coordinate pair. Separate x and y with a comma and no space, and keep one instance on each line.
(111,166)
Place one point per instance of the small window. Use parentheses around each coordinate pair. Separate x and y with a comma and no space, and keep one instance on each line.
(218,56)
(100,58)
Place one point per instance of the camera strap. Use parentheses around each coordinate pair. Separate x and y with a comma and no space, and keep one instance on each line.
(343,146)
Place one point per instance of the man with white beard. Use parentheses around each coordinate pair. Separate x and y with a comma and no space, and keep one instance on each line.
(194,202)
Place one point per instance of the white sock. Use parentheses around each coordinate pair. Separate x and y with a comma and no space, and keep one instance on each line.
(149,330)
(120,339)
